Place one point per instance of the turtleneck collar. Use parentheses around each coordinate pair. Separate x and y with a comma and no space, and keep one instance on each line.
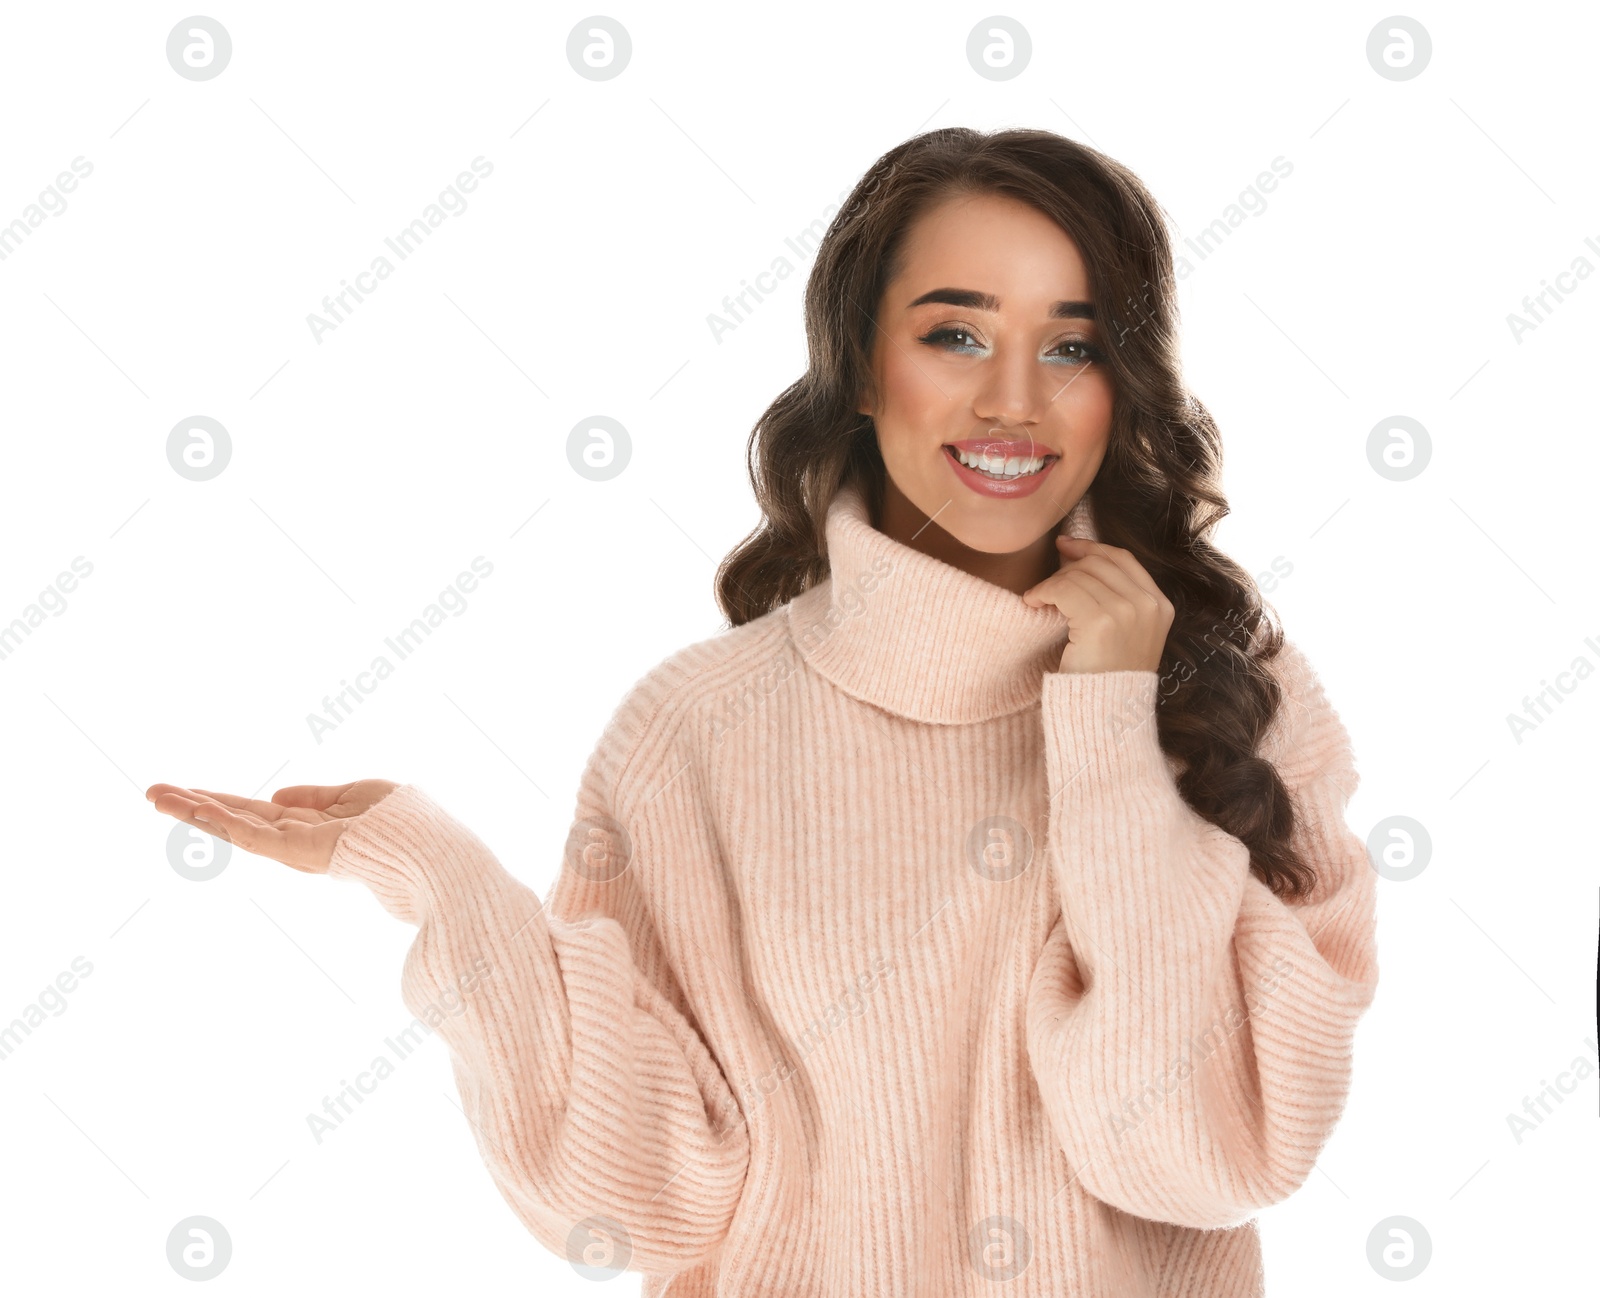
(912,634)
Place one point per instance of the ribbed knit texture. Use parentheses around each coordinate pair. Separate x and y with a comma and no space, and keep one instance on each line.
(886,959)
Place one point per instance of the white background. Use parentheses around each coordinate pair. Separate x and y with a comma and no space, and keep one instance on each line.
(369,468)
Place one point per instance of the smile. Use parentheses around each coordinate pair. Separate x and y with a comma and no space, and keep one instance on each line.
(1001,468)
(990,473)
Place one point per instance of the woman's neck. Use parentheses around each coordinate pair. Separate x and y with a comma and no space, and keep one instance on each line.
(907,632)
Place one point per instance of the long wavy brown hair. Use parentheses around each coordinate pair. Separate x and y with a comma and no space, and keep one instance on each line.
(1158,492)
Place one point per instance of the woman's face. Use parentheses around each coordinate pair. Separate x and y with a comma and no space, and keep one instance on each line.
(985,345)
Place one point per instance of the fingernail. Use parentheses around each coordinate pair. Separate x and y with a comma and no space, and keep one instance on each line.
(200,815)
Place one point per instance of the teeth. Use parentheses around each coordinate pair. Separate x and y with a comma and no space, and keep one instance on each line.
(1015,467)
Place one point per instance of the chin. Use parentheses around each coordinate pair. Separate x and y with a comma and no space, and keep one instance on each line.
(998,536)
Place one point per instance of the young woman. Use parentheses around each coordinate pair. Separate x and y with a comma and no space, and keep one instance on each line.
(979,906)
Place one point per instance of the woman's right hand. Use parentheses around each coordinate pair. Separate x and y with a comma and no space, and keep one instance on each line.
(298,827)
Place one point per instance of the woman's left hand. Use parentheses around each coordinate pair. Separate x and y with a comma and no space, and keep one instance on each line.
(1117,617)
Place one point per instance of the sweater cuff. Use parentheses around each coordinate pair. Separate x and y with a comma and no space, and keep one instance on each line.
(401,847)
(1101,726)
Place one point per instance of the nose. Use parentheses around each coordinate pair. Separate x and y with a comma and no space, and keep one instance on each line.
(1013,393)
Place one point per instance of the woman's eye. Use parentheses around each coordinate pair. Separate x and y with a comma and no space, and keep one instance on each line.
(948,334)
(1087,351)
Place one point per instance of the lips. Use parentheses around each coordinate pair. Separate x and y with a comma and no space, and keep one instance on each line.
(1002,488)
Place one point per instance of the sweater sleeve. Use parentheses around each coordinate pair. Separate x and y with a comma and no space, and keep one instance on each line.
(1190,1031)
(601,1114)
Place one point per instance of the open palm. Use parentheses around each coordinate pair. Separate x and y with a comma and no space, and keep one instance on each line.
(299,827)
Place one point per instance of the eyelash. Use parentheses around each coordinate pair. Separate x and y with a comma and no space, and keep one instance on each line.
(1090,351)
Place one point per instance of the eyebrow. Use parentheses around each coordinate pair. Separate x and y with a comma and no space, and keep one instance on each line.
(974,300)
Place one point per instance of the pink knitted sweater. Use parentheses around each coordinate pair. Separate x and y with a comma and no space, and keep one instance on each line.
(886,959)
